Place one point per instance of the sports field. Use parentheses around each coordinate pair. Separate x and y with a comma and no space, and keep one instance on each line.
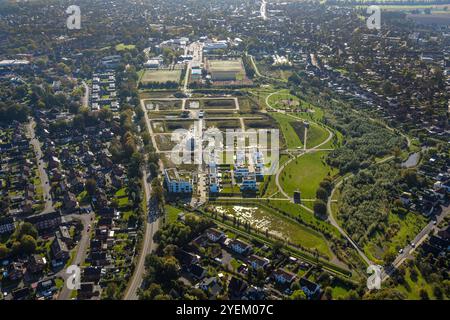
(226,65)
(161,76)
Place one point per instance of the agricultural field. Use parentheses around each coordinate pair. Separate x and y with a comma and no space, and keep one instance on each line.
(161,76)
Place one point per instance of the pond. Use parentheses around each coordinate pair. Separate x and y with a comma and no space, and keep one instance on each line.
(412,161)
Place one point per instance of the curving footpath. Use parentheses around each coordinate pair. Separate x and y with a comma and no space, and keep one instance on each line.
(333,221)
(305,151)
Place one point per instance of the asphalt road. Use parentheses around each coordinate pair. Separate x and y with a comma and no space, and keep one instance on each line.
(148,245)
(151,227)
(81,250)
(418,240)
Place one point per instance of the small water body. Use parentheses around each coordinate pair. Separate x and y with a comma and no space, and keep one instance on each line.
(412,161)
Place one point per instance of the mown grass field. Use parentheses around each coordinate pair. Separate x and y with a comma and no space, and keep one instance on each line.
(315,136)
(305,174)
(306,217)
(290,136)
(284,99)
(171,214)
(272,188)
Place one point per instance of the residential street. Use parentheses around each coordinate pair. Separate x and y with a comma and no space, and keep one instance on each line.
(81,251)
(148,246)
(86,95)
(151,227)
(48,206)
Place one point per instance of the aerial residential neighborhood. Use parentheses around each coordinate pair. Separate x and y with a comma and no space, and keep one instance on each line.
(224,150)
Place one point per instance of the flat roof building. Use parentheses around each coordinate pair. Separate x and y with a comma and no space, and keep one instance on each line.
(175,183)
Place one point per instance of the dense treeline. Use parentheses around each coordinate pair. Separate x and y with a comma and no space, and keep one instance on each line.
(248,66)
(159,85)
(364,141)
(13,112)
(370,196)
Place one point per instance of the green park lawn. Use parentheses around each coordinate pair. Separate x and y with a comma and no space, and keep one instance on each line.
(171,213)
(291,137)
(284,99)
(305,174)
(339,292)
(316,135)
(411,288)
(270,180)
(124,47)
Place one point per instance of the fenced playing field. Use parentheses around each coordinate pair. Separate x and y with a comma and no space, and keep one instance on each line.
(161,76)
